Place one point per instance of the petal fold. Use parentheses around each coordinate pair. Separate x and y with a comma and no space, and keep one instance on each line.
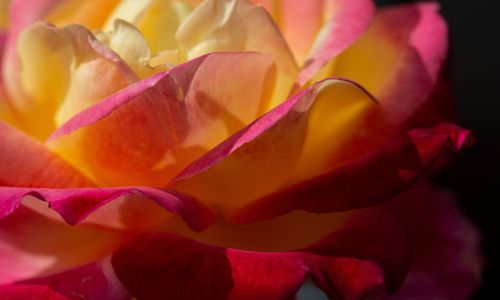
(74,205)
(347,21)
(285,145)
(147,132)
(238,25)
(33,245)
(397,165)
(190,270)
(407,45)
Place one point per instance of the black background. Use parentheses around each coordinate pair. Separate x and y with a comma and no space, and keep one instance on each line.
(475,61)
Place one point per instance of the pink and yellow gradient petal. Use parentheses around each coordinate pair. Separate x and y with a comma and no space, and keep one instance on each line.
(146,133)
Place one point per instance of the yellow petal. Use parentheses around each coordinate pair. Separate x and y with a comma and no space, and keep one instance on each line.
(89,13)
(146,133)
(4,13)
(96,73)
(63,72)
(45,54)
(128,42)
(157,20)
(237,25)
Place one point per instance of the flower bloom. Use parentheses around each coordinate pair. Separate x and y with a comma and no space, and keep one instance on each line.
(227,149)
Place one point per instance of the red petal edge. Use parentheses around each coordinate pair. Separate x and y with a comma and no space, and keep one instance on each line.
(75,204)
(397,165)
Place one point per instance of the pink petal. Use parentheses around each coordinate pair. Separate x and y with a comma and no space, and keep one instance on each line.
(174,116)
(374,250)
(29,292)
(75,204)
(25,162)
(285,145)
(94,281)
(33,245)
(446,263)
(173,267)
(399,58)
(397,165)
(349,20)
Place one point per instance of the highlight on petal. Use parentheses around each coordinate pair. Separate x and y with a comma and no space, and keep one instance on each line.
(32,245)
(237,25)
(346,22)
(25,162)
(285,144)
(146,133)
(397,165)
(407,46)
(76,204)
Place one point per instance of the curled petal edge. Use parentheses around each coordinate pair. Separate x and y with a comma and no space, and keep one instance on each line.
(76,204)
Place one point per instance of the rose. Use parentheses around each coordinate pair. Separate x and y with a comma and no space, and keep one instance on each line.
(183,103)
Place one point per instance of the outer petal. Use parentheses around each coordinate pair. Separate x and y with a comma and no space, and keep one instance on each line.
(374,248)
(185,269)
(168,119)
(446,261)
(74,205)
(407,46)
(26,162)
(29,292)
(396,166)
(237,25)
(348,21)
(32,245)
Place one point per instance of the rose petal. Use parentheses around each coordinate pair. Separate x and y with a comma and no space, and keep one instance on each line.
(348,21)
(74,205)
(4,14)
(158,21)
(373,250)
(146,133)
(26,162)
(29,292)
(93,281)
(237,25)
(407,46)
(446,262)
(397,166)
(174,267)
(57,82)
(284,145)
(33,245)
(90,13)
(21,14)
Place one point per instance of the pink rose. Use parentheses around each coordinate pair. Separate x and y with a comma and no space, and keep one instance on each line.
(227,149)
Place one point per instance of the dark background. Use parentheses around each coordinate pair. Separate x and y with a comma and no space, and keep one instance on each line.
(475,65)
